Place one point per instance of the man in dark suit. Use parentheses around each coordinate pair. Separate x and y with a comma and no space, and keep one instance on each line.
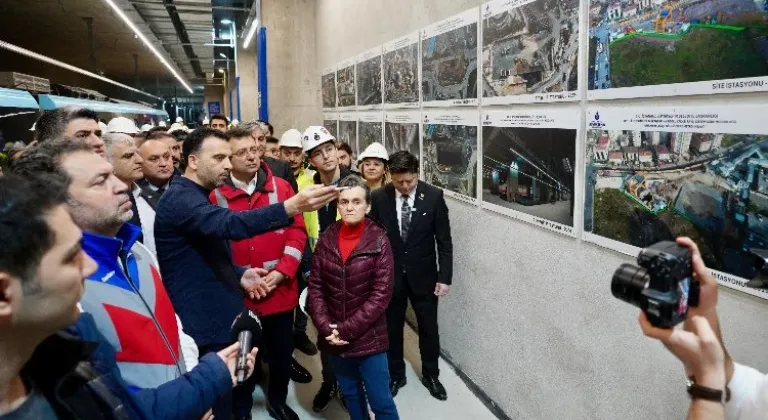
(416,218)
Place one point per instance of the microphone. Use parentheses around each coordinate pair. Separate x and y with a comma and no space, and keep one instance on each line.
(247,329)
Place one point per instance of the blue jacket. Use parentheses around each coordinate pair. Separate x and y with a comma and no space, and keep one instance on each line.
(192,239)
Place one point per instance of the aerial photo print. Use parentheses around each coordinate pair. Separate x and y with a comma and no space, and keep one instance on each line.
(401,72)
(450,152)
(328,88)
(345,85)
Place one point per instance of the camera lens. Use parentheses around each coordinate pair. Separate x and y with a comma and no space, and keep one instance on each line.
(628,283)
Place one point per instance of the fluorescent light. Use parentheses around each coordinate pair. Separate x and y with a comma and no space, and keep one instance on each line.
(148,44)
(251,32)
(221,70)
(57,63)
(222,55)
(225,21)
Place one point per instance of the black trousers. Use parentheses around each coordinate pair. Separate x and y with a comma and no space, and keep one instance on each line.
(425,307)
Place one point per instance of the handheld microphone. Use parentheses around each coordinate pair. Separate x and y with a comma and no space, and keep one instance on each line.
(247,329)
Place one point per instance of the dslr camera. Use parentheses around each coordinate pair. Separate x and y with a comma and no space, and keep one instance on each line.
(661,284)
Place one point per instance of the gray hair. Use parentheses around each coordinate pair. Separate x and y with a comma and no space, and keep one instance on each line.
(252,125)
(111,139)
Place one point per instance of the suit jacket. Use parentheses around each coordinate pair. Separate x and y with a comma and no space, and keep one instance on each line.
(282,169)
(415,258)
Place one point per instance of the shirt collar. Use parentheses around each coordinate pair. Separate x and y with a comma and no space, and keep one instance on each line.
(249,187)
(109,248)
(398,194)
(135,190)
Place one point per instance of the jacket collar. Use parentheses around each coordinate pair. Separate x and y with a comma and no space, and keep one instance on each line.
(104,248)
(370,239)
(263,184)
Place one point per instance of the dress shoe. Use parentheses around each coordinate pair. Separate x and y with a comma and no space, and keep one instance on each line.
(324,396)
(303,344)
(299,374)
(395,385)
(281,412)
(435,387)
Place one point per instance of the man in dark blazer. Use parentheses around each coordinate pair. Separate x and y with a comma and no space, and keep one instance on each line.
(416,218)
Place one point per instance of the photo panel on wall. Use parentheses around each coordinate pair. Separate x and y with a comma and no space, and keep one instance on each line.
(368,79)
(401,72)
(331,123)
(370,128)
(328,88)
(401,132)
(345,85)
(669,48)
(449,51)
(450,150)
(348,132)
(530,51)
(529,158)
(656,173)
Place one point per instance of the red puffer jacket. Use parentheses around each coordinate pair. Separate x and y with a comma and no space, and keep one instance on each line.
(355,294)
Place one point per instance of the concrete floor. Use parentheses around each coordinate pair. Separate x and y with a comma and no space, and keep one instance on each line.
(413,401)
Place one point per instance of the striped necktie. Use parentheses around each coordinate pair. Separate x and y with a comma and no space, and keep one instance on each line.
(405,218)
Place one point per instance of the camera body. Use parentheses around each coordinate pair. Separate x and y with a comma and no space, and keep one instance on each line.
(662,284)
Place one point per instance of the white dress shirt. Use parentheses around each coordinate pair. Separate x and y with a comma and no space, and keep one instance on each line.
(399,206)
(749,394)
(249,187)
(147,216)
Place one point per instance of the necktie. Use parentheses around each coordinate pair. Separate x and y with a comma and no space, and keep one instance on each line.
(405,218)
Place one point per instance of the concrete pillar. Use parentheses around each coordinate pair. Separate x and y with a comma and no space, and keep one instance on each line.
(248,79)
(214,94)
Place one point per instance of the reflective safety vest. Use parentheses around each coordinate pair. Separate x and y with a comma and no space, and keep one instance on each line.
(311,221)
(132,310)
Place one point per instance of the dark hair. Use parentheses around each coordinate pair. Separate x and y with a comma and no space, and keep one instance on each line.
(46,158)
(271,139)
(159,135)
(344,146)
(218,117)
(25,234)
(52,123)
(195,140)
(403,162)
(238,133)
(179,134)
(353,181)
(154,130)
(269,126)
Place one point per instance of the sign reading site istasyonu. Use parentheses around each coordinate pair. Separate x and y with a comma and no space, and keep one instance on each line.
(658,173)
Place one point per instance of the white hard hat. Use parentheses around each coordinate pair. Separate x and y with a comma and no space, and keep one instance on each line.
(122,125)
(374,150)
(146,127)
(161,124)
(291,138)
(314,136)
(33,126)
(103,127)
(235,122)
(206,121)
(179,120)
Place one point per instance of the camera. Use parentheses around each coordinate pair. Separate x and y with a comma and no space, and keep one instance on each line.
(662,286)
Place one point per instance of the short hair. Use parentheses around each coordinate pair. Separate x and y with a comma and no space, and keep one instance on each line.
(353,181)
(53,122)
(344,146)
(46,157)
(157,135)
(25,234)
(195,140)
(251,125)
(403,162)
(111,139)
(154,130)
(269,126)
(218,117)
(179,134)
(238,133)
(271,139)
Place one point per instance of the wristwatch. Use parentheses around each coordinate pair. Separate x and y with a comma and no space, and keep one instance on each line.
(710,394)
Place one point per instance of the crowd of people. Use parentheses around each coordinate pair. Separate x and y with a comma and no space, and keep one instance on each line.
(128,253)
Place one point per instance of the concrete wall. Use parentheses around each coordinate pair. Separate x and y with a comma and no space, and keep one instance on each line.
(294,78)
(530,318)
(249,90)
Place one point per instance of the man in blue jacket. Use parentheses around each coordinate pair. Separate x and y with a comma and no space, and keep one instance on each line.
(71,374)
(192,239)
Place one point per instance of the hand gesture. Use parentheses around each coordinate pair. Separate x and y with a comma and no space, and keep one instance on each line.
(229,356)
(334,339)
(310,198)
(253,283)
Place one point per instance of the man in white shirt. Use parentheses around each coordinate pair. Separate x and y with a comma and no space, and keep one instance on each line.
(699,345)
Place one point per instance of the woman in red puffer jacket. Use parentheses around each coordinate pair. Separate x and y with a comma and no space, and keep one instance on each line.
(350,287)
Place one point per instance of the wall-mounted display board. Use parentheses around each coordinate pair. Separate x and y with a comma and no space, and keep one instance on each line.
(449,139)
(657,173)
(345,84)
(530,51)
(401,72)
(331,123)
(370,129)
(401,132)
(660,48)
(528,165)
(328,88)
(449,61)
(368,77)
(348,131)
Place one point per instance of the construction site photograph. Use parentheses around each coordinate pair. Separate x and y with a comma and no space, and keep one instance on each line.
(369,132)
(401,73)
(450,158)
(345,87)
(328,90)
(369,82)
(449,62)
(402,136)
(530,49)
(653,42)
(348,134)
(530,170)
(332,127)
(647,186)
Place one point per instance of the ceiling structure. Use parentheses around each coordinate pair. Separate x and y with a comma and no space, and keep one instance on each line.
(187,33)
